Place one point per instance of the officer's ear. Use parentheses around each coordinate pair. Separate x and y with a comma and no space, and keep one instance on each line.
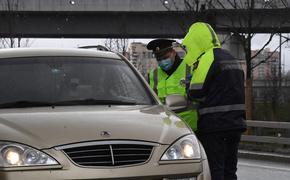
(179,49)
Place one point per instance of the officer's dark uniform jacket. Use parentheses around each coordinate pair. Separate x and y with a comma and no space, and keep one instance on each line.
(217,83)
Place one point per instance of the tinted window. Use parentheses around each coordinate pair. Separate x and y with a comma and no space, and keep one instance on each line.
(56,79)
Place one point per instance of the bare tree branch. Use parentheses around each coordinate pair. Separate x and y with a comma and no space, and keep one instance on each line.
(261,49)
(209,4)
(11,6)
(175,5)
(241,3)
(117,45)
(284,3)
(188,5)
(232,4)
(165,5)
(196,5)
(221,4)
(236,5)
(271,54)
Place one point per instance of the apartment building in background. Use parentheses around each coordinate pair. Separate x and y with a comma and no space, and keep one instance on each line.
(141,58)
(269,68)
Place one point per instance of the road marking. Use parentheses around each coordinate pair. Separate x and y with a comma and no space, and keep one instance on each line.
(264,167)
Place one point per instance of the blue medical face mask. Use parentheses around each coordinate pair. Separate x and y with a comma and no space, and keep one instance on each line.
(165,64)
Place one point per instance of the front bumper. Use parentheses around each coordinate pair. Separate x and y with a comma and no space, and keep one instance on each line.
(142,172)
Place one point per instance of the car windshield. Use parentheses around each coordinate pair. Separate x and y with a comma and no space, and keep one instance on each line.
(52,81)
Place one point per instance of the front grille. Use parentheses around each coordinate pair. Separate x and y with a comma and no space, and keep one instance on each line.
(109,154)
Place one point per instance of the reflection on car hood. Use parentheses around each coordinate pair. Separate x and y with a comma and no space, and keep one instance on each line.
(48,127)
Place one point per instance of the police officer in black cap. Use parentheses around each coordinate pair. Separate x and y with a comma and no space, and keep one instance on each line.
(171,76)
(166,56)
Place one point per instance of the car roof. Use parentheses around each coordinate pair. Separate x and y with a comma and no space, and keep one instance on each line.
(43,52)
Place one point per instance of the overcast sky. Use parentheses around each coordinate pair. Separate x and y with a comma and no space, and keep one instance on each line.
(257,43)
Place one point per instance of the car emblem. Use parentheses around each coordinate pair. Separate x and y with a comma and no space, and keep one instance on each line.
(105,134)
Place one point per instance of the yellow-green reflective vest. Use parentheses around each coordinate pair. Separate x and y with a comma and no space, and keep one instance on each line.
(165,85)
(201,71)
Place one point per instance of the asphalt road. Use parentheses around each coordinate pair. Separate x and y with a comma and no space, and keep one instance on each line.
(249,169)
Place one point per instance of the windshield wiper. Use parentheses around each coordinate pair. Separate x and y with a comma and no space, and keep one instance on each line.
(24,104)
(95,102)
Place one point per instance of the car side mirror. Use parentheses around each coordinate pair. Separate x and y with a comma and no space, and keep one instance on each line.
(176,102)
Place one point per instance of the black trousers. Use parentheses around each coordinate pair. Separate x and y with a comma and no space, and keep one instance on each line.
(222,150)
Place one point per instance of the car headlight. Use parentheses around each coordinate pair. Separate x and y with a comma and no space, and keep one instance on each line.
(16,155)
(185,148)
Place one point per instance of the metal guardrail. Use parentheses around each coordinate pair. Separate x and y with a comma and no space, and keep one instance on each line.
(267,139)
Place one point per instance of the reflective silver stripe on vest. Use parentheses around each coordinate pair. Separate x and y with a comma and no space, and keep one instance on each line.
(226,108)
(214,41)
(196,86)
(155,79)
(230,65)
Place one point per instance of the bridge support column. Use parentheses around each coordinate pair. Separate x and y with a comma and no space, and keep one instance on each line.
(234,46)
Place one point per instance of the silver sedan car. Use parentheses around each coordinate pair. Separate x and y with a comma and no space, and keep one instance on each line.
(87,114)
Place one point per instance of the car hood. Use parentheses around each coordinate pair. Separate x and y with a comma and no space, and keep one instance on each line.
(49,127)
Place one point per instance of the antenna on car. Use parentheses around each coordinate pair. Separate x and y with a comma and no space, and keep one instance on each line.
(97,47)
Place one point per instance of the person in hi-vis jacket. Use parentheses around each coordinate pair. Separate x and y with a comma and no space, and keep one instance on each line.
(217,84)
(172,76)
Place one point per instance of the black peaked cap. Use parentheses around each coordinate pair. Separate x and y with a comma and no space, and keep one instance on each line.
(160,46)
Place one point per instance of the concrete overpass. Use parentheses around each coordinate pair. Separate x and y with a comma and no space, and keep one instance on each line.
(131,18)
